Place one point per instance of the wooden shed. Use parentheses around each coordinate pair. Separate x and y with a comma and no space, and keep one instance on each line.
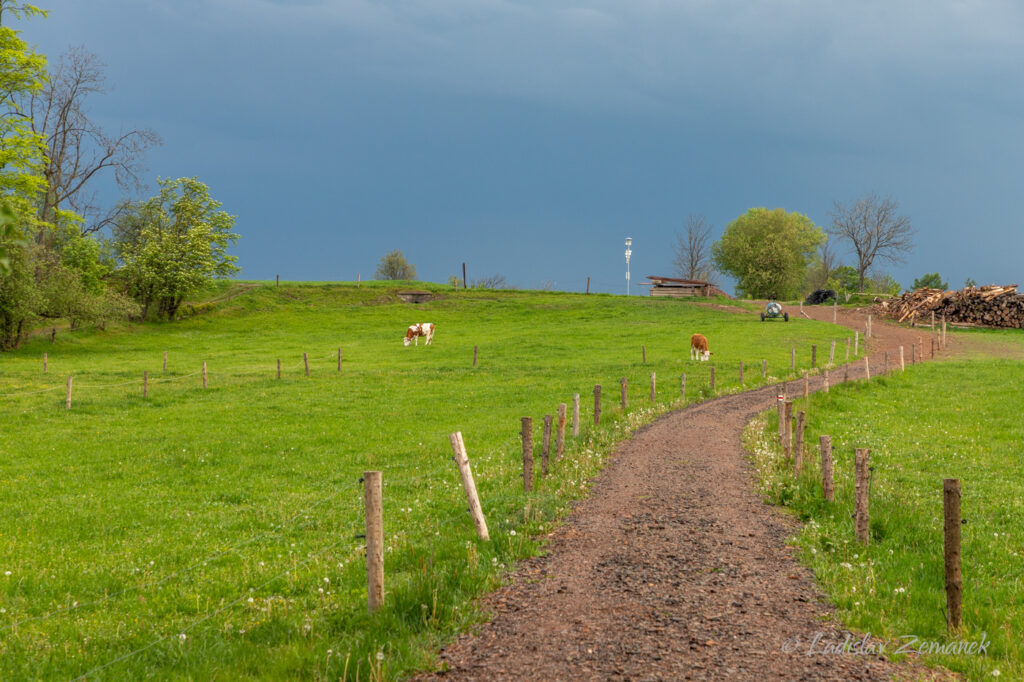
(673,286)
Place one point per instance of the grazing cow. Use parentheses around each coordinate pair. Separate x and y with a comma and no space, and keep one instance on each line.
(414,333)
(699,348)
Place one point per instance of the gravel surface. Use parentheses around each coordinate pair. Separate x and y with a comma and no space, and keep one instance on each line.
(674,569)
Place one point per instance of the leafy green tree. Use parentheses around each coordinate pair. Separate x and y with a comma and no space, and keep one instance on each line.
(884,283)
(174,244)
(22,75)
(931,280)
(393,265)
(969,282)
(767,251)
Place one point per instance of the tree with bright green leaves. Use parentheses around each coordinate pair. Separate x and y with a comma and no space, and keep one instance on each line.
(173,244)
(767,252)
(22,74)
(931,280)
(393,265)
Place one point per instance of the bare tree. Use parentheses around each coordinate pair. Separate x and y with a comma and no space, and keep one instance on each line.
(495,281)
(823,266)
(874,229)
(693,250)
(77,150)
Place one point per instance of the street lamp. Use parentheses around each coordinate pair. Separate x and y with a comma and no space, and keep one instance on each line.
(629,252)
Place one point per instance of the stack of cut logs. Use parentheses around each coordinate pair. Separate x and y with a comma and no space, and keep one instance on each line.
(988,306)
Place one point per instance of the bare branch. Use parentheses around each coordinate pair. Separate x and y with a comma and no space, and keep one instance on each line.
(78,151)
(874,229)
(693,250)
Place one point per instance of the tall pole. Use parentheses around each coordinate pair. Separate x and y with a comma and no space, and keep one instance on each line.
(629,252)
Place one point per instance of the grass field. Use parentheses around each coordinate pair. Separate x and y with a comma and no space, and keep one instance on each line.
(951,419)
(216,533)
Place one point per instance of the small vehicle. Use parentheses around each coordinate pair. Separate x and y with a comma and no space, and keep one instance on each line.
(772,311)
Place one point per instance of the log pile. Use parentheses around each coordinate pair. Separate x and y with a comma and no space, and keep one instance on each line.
(988,306)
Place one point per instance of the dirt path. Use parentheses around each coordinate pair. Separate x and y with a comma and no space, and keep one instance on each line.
(673,569)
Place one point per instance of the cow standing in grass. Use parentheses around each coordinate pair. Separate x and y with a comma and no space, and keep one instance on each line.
(413,333)
(699,348)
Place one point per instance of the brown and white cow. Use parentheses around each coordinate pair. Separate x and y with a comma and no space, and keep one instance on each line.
(414,333)
(699,348)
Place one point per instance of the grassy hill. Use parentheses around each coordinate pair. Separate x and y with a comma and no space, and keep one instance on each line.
(216,532)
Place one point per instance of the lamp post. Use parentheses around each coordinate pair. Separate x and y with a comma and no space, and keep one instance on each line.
(629,252)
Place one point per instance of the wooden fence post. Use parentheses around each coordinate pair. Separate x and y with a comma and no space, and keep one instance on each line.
(527,438)
(652,388)
(67,403)
(622,391)
(825,381)
(856,343)
(560,439)
(469,485)
(885,363)
(45,362)
(780,408)
(575,415)
(835,305)
(903,367)
(787,434)
(305,359)
(597,404)
(545,448)
(145,384)
(474,355)
(204,375)
(277,280)
(165,361)
(807,386)
(764,369)
(867,369)
(862,488)
(373,498)
(933,347)
(954,583)
(588,284)
(933,320)
(682,387)
(792,358)
(832,354)
(847,349)
(798,445)
(825,445)
(814,355)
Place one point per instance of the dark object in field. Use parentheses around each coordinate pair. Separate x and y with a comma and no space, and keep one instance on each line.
(820,296)
(773,310)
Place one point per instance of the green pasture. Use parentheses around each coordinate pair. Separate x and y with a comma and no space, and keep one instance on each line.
(216,533)
(948,419)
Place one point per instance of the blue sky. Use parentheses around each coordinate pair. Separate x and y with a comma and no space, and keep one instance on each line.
(529,138)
